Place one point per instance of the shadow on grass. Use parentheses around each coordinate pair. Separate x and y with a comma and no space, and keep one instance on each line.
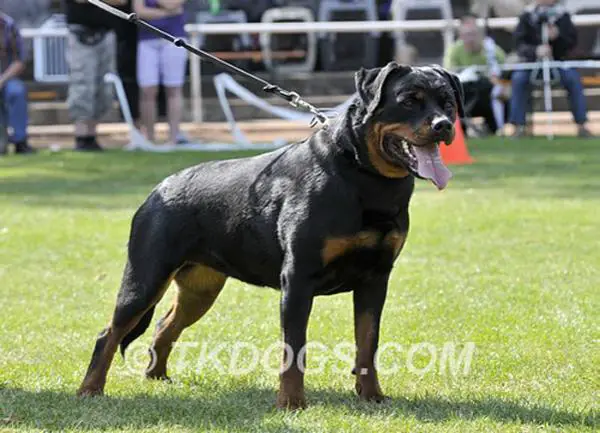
(248,407)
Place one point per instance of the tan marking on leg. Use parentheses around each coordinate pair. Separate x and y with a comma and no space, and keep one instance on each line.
(198,288)
(291,386)
(367,384)
(95,378)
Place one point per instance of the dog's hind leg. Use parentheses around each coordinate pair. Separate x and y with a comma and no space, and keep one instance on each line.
(198,288)
(160,236)
(140,291)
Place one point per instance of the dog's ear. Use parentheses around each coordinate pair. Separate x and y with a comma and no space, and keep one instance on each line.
(364,79)
(370,83)
(457,88)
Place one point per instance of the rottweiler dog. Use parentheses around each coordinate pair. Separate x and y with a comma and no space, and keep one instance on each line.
(327,215)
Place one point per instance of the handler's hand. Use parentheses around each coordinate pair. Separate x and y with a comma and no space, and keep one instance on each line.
(553,32)
(543,51)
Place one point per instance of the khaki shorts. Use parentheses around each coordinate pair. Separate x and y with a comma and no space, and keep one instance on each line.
(89,97)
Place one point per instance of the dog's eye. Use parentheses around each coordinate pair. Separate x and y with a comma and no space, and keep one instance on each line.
(449,107)
(410,100)
(404,100)
(417,97)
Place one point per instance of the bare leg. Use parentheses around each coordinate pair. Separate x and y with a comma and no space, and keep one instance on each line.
(148,110)
(174,110)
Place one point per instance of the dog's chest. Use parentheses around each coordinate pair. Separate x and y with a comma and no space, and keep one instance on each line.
(368,242)
(354,259)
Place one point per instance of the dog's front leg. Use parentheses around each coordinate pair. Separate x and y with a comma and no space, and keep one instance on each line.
(296,303)
(368,305)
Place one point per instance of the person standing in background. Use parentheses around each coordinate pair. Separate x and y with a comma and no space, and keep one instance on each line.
(13,91)
(127,42)
(127,39)
(91,55)
(159,61)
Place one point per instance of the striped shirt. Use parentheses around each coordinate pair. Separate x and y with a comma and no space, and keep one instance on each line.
(11,44)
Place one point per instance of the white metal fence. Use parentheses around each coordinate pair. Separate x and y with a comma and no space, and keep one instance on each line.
(195,30)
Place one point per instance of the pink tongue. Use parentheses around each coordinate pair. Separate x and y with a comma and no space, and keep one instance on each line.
(430,165)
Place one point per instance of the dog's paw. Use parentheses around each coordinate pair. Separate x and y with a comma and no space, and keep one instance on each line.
(290,402)
(158,376)
(370,393)
(375,398)
(89,392)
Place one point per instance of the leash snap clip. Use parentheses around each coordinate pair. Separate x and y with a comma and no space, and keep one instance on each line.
(295,100)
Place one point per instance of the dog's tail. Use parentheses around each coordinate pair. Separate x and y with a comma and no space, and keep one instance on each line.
(138,330)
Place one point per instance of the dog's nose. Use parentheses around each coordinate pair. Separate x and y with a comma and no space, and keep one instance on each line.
(443,129)
(441,125)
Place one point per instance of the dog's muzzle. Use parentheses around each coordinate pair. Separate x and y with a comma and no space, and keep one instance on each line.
(443,129)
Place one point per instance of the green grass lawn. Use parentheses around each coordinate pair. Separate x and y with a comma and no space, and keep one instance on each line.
(507,258)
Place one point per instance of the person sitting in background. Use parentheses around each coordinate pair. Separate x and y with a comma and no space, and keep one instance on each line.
(474,49)
(14,93)
(562,36)
(160,61)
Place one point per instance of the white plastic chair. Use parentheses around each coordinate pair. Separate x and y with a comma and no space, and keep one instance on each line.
(289,14)
(226,16)
(400,10)
(327,11)
(50,53)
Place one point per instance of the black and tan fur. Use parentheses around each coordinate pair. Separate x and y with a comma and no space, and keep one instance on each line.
(323,216)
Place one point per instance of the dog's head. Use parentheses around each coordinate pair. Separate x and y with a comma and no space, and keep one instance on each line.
(404,113)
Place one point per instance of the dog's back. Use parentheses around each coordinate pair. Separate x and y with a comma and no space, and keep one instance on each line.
(228,214)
